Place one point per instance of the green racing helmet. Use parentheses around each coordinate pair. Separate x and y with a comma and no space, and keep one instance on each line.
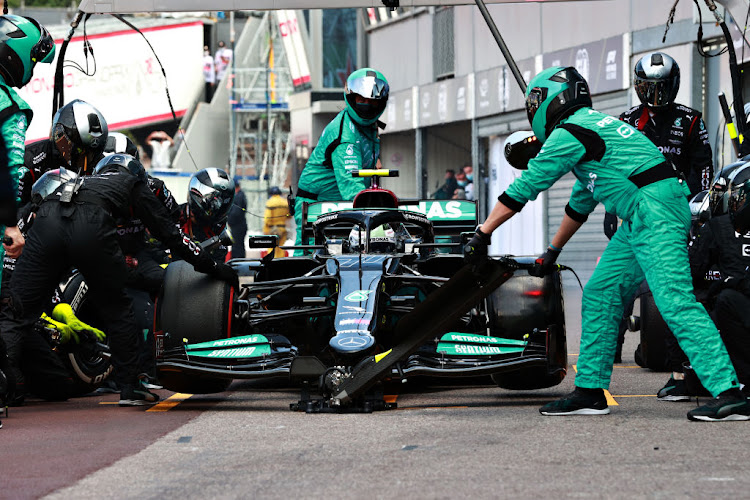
(552,95)
(371,85)
(23,43)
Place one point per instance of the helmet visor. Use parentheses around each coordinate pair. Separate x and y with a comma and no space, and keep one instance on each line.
(369,86)
(534,101)
(654,93)
(44,49)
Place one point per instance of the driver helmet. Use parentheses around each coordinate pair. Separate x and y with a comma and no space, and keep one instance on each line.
(210,196)
(371,85)
(552,95)
(117,142)
(383,239)
(79,133)
(656,80)
(739,199)
(50,182)
(24,43)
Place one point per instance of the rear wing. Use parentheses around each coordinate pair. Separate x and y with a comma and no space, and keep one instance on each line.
(448,217)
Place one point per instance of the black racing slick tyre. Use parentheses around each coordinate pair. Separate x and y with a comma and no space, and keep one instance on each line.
(90,369)
(193,308)
(654,331)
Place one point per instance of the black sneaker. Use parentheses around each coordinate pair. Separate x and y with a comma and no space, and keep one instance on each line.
(673,390)
(131,395)
(730,405)
(578,402)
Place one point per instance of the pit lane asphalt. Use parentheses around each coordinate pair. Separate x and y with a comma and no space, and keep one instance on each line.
(443,442)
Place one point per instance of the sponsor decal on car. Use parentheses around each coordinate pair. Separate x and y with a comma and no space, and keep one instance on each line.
(433,209)
(462,344)
(354,321)
(358,296)
(238,347)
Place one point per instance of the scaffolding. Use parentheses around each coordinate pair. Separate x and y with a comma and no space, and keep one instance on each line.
(259,116)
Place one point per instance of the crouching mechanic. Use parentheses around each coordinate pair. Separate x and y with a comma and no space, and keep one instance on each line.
(349,142)
(75,226)
(37,369)
(621,168)
(733,300)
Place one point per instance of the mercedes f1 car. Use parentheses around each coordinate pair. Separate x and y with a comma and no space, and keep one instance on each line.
(380,292)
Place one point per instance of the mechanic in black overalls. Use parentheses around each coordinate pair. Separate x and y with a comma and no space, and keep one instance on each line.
(144,269)
(77,139)
(731,306)
(82,233)
(210,199)
(681,135)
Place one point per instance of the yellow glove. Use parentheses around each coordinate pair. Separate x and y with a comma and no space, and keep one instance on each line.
(66,332)
(64,313)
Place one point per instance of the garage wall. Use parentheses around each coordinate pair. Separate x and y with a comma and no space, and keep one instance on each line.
(397,151)
(447,146)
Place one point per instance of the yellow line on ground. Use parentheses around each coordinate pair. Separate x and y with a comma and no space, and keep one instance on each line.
(109,402)
(575,368)
(170,402)
(571,354)
(610,400)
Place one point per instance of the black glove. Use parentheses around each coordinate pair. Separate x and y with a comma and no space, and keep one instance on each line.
(475,251)
(728,283)
(226,273)
(610,225)
(545,264)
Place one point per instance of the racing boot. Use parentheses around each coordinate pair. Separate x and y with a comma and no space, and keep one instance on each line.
(674,390)
(731,405)
(136,395)
(579,402)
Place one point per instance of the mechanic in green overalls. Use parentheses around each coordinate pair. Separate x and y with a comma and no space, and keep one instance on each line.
(621,168)
(349,142)
(23,43)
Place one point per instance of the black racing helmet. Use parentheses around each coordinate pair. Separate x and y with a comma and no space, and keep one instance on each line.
(79,132)
(118,142)
(121,163)
(719,192)
(739,199)
(210,196)
(656,80)
(50,182)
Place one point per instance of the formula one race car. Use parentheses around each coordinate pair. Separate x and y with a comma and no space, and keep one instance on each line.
(380,292)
